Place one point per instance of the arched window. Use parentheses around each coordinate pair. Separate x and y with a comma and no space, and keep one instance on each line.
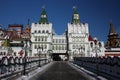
(91,44)
(39,31)
(47,31)
(100,45)
(43,31)
(35,31)
(35,46)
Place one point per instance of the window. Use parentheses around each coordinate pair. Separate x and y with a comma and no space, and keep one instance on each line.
(39,39)
(91,44)
(63,41)
(53,47)
(35,38)
(43,31)
(39,31)
(47,31)
(45,38)
(35,46)
(73,46)
(45,46)
(100,45)
(35,31)
(62,47)
(39,46)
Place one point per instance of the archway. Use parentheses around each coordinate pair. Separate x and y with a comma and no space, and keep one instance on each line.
(60,57)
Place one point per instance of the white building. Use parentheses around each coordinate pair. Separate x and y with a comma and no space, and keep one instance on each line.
(74,42)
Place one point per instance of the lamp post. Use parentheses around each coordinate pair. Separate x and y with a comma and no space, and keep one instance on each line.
(24,64)
(38,56)
(70,55)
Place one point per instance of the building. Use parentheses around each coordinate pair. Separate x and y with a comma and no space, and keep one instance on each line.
(74,42)
(41,35)
(113,42)
(11,42)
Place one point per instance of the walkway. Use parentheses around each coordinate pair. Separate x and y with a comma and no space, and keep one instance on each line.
(60,71)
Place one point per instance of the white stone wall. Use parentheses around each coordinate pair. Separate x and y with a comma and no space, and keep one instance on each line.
(41,36)
(78,39)
(59,44)
(96,50)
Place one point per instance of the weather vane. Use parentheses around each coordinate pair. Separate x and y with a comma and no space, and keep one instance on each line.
(43,7)
(74,7)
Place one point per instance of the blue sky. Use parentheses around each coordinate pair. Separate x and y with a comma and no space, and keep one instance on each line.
(97,13)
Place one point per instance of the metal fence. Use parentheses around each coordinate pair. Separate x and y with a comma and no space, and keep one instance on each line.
(106,66)
(15,65)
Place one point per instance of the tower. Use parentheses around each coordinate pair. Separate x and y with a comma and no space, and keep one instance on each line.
(77,35)
(113,37)
(75,16)
(26,33)
(43,17)
(41,35)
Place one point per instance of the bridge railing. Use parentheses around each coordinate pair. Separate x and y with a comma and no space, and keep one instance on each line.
(14,65)
(100,65)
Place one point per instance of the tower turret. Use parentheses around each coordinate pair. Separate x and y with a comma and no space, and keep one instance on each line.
(113,37)
(75,17)
(43,17)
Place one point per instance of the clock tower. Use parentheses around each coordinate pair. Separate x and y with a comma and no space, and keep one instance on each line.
(75,16)
(43,17)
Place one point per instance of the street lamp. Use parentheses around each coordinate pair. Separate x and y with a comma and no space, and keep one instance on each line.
(70,55)
(38,56)
(24,64)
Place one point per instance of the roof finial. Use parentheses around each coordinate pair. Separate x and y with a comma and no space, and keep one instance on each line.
(43,7)
(74,7)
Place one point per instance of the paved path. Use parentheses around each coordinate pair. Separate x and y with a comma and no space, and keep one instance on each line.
(60,71)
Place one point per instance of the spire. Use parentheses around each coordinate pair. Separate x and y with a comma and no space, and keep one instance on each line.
(112,30)
(43,17)
(113,37)
(75,17)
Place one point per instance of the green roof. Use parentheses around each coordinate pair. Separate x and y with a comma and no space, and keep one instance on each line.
(75,17)
(43,17)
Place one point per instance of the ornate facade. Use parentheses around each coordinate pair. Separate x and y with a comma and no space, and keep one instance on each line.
(76,40)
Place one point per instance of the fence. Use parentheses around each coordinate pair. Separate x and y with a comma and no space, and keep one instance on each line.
(15,65)
(106,66)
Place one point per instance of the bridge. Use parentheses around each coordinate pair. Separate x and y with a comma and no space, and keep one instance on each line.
(80,68)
